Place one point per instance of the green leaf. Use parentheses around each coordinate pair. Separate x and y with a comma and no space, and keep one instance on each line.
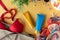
(26,2)
(14,0)
(20,3)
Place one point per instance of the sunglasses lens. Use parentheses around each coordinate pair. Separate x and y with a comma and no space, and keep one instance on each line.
(46,0)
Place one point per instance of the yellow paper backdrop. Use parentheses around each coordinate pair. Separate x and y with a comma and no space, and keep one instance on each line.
(41,7)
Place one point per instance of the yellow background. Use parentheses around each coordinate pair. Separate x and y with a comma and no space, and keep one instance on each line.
(41,7)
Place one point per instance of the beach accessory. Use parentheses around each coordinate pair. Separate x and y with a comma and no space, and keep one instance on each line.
(7,35)
(44,32)
(17,26)
(2,26)
(54,36)
(12,12)
(53,23)
(53,27)
(28,19)
(39,21)
(46,0)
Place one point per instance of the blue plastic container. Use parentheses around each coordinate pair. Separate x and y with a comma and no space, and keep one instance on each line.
(39,22)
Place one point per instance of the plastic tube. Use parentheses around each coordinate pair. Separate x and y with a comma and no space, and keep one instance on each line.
(39,21)
(28,19)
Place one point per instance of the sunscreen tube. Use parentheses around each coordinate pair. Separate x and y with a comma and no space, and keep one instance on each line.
(28,19)
(39,21)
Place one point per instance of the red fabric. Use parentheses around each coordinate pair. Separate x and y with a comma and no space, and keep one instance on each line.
(45,32)
(51,22)
(2,26)
(58,22)
(16,27)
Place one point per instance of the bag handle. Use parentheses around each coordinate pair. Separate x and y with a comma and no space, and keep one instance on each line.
(7,12)
(2,4)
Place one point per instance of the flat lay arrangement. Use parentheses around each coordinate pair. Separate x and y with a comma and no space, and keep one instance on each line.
(38,20)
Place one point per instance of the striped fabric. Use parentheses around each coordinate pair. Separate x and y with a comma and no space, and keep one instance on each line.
(6,35)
